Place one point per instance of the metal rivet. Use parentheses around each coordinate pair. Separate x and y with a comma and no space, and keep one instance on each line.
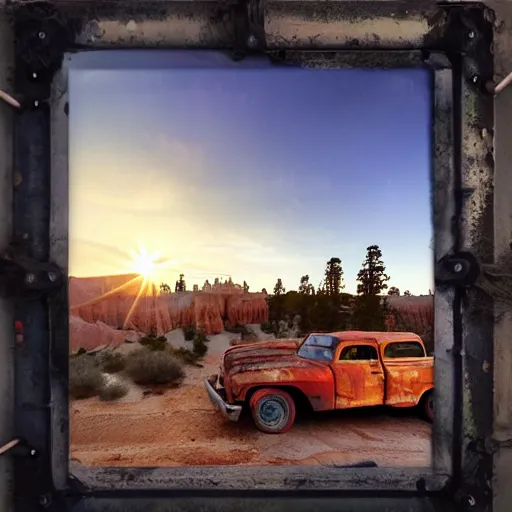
(471,501)
(36,103)
(30,278)
(52,276)
(252,41)
(41,35)
(471,35)
(457,267)
(475,79)
(34,75)
(32,452)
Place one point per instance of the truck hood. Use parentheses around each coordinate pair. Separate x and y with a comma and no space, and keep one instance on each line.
(272,355)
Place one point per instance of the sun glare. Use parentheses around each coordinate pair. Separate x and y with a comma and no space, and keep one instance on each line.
(144,264)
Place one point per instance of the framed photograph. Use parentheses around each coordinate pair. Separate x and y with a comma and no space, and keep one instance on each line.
(255,258)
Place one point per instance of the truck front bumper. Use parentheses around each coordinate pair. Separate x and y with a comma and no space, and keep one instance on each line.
(229,411)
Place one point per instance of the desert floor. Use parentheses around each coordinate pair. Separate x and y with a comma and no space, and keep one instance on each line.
(181,428)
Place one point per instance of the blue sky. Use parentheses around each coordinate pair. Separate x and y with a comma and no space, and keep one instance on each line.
(247,170)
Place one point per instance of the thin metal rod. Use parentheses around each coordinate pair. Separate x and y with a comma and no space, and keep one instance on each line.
(503,84)
(9,99)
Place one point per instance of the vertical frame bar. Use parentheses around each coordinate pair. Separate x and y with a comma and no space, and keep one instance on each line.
(31,233)
(443,183)
(58,252)
(475,202)
(6,309)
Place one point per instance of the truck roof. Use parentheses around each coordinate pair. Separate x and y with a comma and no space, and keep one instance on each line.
(378,337)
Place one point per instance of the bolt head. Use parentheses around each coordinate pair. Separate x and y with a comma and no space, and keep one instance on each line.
(475,79)
(30,278)
(52,276)
(457,267)
(471,35)
(252,41)
(32,452)
(41,35)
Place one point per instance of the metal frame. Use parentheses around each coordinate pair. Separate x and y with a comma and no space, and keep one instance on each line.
(454,41)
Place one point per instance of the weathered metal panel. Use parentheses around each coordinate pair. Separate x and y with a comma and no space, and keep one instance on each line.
(474,342)
(443,201)
(58,305)
(313,25)
(6,307)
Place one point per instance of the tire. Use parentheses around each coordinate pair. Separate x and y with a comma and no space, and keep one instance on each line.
(427,406)
(273,410)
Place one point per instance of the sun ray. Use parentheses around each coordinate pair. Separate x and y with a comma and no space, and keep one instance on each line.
(108,294)
(144,285)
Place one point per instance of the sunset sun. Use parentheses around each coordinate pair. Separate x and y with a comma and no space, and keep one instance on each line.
(144,264)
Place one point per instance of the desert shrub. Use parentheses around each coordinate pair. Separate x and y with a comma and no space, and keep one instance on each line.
(114,391)
(111,362)
(189,332)
(150,367)
(199,344)
(184,354)
(85,377)
(154,342)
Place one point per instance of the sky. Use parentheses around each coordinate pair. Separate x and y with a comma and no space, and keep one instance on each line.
(247,170)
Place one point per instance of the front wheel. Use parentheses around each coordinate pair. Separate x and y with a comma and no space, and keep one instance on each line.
(428,406)
(273,410)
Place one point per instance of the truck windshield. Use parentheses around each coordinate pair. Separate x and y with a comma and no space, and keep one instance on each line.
(319,347)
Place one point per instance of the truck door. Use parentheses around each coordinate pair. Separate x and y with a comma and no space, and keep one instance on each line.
(408,372)
(359,376)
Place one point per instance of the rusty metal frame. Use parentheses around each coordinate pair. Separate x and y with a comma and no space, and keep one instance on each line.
(454,42)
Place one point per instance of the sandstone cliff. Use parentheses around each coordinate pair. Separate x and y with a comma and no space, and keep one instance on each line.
(128,302)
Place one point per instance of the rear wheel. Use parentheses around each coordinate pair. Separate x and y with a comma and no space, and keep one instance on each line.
(428,406)
(273,410)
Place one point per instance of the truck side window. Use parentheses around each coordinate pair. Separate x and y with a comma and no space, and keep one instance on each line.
(404,349)
(359,353)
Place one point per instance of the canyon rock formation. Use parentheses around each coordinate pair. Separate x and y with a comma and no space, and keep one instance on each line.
(130,303)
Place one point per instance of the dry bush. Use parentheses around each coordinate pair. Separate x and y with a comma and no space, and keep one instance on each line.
(114,391)
(111,362)
(154,342)
(85,378)
(199,344)
(189,332)
(184,354)
(148,367)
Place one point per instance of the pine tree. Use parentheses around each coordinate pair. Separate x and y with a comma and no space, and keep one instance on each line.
(279,288)
(165,288)
(334,277)
(372,277)
(306,287)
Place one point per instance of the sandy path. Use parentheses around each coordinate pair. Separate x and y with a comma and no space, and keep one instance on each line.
(181,428)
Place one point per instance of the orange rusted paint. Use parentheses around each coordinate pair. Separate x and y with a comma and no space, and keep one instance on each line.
(336,384)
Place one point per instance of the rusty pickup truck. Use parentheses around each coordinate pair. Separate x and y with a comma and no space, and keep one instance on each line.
(325,371)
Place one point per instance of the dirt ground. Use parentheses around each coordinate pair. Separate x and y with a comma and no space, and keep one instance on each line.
(181,428)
